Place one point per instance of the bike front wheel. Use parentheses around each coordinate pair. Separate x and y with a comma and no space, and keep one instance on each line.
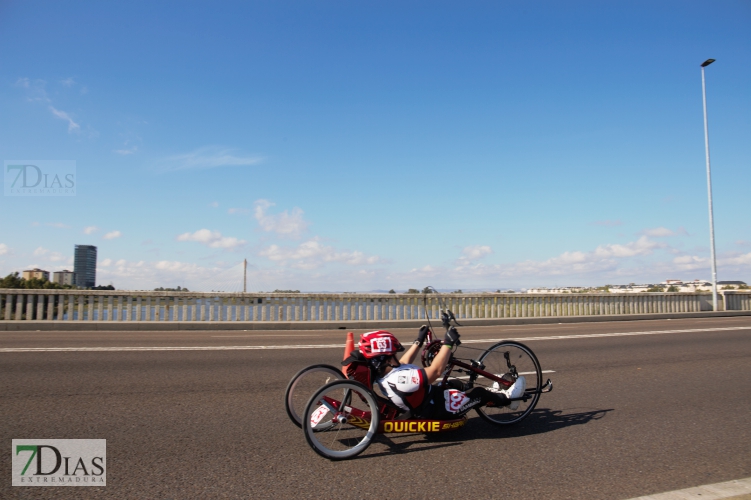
(518,360)
(303,385)
(341,419)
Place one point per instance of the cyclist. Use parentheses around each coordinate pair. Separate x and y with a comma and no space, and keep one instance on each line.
(410,387)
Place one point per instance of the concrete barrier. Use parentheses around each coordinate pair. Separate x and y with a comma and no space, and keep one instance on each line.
(130,308)
(9,326)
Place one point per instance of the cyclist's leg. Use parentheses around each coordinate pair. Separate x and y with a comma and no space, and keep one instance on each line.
(480,396)
(475,397)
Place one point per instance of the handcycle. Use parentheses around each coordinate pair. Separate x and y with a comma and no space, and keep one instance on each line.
(341,415)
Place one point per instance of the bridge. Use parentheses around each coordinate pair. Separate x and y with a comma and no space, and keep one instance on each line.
(48,309)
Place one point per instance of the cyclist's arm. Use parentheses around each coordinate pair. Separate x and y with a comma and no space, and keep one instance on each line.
(439,363)
(410,354)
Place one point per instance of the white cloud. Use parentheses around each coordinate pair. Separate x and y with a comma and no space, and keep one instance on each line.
(214,204)
(112,235)
(145,275)
(284,223)
(608,223)
(4,249)
(207,157)
(690,262)
(72,126)
(35,90)
(643,246)
(232,211)
(475,252)
(127,151)
(90,230)
(736,260)
(662,232)
(49,255)
(68,82)
(213,239)
(313,254)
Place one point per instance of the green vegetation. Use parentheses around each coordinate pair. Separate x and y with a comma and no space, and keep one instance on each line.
(178,289)
(285,291)
(412,290)
(457,291)
(743,287)
(672,288)
(392,291)
(655,289)
(13,280)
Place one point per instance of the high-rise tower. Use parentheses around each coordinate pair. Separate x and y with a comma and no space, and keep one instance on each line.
(84,265)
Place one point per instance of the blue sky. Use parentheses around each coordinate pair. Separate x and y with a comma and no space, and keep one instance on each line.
(354,146)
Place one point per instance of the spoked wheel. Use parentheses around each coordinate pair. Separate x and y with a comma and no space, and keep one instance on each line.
(341,419)
(517,360)
(303,385)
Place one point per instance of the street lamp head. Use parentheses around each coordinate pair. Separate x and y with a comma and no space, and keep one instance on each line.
(707,63)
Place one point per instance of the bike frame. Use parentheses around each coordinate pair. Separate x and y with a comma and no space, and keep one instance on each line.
(475,371)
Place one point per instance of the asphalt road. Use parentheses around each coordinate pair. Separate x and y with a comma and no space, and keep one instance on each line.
(630,415)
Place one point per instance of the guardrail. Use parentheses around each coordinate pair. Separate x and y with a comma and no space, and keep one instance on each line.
(89,305)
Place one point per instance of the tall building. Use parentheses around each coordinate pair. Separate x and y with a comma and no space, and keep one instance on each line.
(84,265)
(36,273)
(64,277)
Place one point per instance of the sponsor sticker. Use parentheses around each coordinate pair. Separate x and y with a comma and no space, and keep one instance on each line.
(454,400)
(59,462)
(402,379)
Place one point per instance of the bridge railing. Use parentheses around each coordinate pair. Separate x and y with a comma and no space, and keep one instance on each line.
(89,305)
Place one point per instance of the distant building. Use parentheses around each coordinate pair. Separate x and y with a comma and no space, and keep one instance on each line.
(36,273)
(84,266)
(64,277)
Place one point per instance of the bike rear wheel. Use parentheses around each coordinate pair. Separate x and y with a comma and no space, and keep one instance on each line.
(518,360)
(303,385)
(341,419)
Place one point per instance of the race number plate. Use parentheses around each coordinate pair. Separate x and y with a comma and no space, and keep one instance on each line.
(318,415)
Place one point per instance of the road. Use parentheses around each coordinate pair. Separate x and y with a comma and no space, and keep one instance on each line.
(663,408)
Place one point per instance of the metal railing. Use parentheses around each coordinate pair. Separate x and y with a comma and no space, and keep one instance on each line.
(86,305)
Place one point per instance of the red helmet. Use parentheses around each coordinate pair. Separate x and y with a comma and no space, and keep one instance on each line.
(379,343)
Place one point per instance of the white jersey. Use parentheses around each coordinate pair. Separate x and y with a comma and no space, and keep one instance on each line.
(406,386)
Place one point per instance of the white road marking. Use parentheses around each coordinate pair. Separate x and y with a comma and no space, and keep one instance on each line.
(715,491)
(256,336)
(520,373)
(615,334)
(340,346)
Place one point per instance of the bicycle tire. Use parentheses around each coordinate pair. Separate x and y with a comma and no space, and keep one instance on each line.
(304,384)
(341,440)
(526,363)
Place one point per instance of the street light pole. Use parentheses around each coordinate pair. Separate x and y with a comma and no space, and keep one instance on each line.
(709,186)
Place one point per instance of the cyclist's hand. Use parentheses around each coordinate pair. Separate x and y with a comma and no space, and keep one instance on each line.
(422,334)
(452,338)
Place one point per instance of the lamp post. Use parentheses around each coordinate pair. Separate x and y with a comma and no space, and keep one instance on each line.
(709,186)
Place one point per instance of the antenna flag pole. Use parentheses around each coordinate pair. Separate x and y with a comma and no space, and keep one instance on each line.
(245,276)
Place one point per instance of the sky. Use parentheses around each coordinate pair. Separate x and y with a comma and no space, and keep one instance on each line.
(358,146)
